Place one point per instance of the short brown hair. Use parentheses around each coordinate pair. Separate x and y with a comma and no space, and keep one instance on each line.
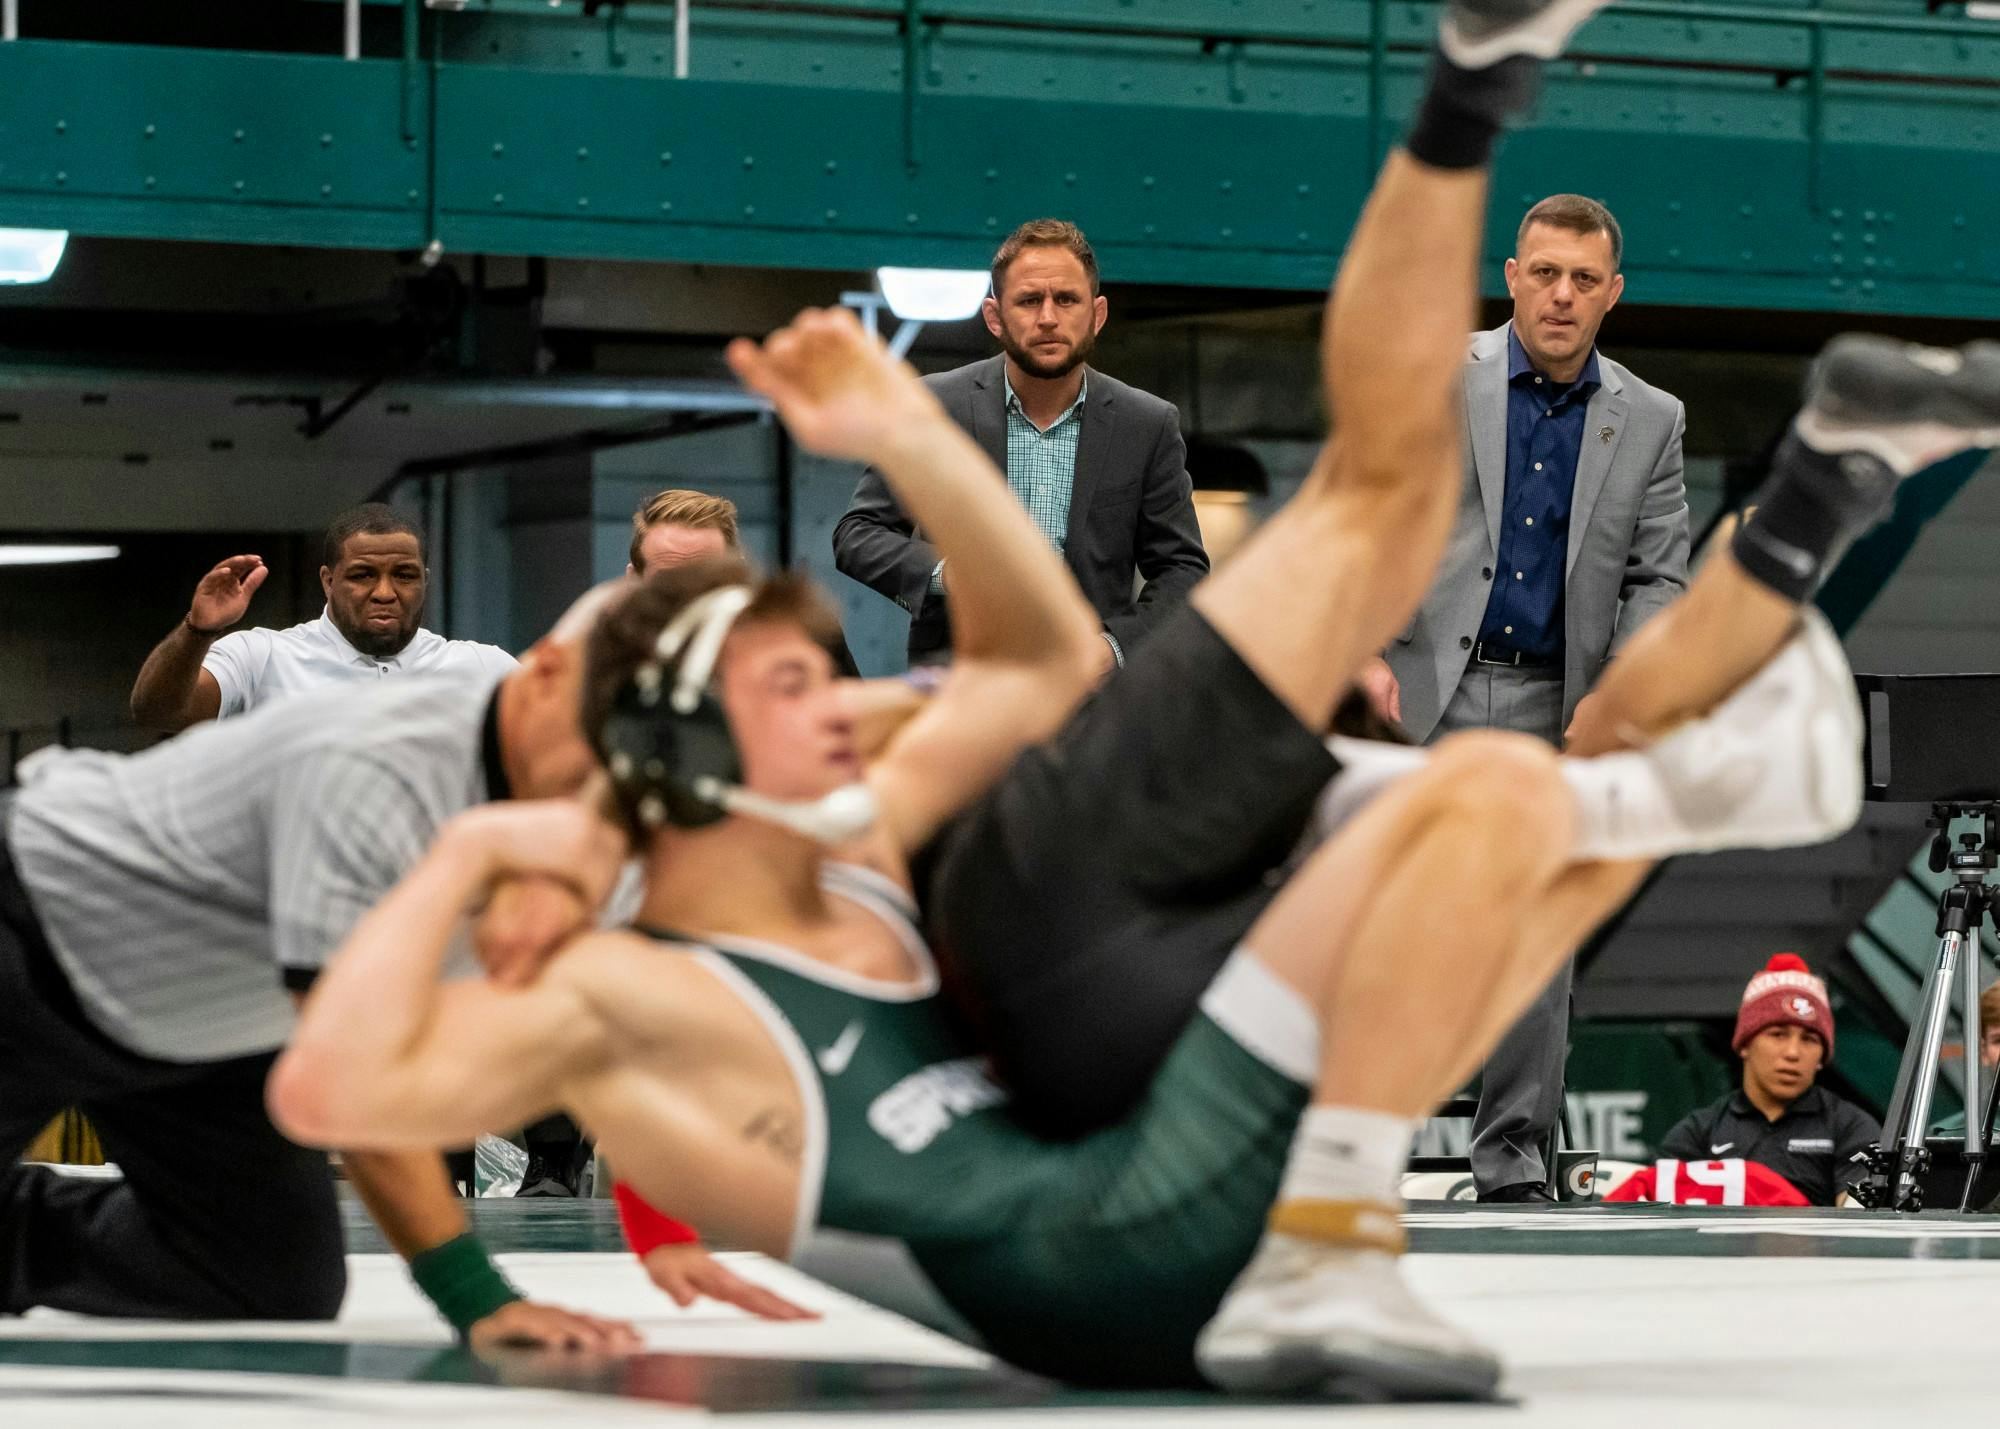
(626,633)
(1579,215)
(677,507)
(1989,1007)
(1045,233)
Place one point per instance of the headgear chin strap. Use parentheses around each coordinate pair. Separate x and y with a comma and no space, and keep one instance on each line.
(833,818)
(679,764)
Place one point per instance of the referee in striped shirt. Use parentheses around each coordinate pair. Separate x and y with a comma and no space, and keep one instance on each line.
(158,910)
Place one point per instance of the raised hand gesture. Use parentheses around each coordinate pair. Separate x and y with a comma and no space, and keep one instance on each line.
(223,595)
(839,391)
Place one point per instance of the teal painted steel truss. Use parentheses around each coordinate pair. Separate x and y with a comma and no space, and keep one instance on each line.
(1759,155)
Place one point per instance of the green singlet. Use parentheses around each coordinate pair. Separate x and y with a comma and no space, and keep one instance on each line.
(1096,1261)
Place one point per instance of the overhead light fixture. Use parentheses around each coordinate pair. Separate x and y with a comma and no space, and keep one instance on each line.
(55,555)
(30,255)
(933,295)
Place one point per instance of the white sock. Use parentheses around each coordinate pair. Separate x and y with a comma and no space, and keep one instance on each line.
(1621,801)
(1367,767)
(1342,1153)
(1622,806)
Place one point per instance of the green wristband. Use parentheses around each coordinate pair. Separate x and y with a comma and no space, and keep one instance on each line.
(462,1281)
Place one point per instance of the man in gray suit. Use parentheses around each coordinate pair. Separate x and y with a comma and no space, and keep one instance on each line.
(1100,466)
(1572,532)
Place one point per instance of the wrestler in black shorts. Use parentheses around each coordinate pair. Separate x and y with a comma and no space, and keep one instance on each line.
(1117,866)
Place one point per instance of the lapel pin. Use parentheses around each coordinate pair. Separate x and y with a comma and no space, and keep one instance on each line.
(1605,434)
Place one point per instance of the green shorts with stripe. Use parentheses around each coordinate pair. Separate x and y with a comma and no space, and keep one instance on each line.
(1141,1228)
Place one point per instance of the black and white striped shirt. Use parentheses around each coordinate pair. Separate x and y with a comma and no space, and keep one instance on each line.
(183,887)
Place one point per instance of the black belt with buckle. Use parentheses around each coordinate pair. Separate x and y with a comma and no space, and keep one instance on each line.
(1488,653)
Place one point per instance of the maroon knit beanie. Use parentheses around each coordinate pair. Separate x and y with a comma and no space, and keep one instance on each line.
(1786,991)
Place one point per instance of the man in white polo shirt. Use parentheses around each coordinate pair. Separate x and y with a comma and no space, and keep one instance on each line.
(374,578)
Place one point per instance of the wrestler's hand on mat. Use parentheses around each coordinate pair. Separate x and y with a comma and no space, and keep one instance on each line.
(222,597)
(839,391)
(526,1324)
(687,1272)
(525,920)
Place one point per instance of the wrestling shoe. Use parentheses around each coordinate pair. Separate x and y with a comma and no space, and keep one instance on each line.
(1776,765)
(1308,1317)
(1905,404)
(1475,34)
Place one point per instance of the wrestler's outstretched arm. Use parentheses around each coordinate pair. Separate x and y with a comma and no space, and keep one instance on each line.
(385,1055)
(1025,643)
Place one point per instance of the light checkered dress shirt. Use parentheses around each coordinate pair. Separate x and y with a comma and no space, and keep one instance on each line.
(1041,467)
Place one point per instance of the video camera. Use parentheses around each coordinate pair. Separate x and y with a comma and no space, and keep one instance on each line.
(1935,739)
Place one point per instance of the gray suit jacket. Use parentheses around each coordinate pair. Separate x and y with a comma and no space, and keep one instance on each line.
(1131,510)
(1628,534)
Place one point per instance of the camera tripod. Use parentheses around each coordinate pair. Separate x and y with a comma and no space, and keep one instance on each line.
(1898,1162)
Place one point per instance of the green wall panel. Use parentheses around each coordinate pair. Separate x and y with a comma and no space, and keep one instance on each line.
(1213,142)
(138,140)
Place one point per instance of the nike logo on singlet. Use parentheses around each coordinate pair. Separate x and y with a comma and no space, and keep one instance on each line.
(1716,1148)
(833,1060)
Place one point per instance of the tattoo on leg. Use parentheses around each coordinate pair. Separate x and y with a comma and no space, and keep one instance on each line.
(777,1129)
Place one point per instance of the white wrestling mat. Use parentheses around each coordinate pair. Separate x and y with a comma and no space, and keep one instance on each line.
(1618,1317)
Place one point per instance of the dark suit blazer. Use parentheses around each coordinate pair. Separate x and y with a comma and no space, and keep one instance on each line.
(1131,511)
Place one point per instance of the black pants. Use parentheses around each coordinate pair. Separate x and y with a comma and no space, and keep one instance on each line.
(217,1215)
(1084,905)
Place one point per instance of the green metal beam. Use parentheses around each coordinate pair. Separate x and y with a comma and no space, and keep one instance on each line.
(1759,156)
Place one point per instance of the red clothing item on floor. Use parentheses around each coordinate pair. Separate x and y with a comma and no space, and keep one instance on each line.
(1735,1182)
(646,1229)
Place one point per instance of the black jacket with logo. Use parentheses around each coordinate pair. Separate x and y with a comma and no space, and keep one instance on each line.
(1811,1144)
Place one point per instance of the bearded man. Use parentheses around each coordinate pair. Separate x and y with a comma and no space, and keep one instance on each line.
(1100,465)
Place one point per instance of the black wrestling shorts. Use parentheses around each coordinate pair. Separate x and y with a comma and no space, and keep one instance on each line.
(1083,906)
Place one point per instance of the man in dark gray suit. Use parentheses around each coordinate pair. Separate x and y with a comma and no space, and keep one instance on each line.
(1572,532)
(1100,466)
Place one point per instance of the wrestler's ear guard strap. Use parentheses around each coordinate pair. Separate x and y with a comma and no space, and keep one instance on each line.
(663,746)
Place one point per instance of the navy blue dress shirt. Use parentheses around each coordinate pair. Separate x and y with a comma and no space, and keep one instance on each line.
(1545,426)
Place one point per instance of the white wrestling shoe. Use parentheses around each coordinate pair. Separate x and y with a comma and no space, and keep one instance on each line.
(1776,765)
(1476,34)
(1306,1317)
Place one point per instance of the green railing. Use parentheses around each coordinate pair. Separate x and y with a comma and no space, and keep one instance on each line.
(1760,156)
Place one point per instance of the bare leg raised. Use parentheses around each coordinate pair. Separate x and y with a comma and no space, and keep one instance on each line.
(1401,1011)
(1328,580)
(1324,585)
